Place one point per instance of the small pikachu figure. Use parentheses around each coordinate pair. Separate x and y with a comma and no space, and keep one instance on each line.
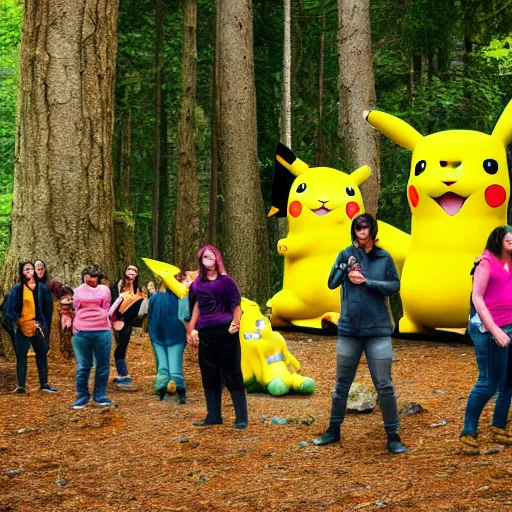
(320,204)
(267,364)
(458,192)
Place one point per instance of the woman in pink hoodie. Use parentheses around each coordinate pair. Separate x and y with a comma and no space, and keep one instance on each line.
(91,338)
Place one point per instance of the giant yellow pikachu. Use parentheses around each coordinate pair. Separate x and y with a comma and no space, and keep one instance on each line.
(458,192)
(320,204)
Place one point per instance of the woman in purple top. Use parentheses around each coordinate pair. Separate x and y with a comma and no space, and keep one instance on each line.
(213,328)
(490,328)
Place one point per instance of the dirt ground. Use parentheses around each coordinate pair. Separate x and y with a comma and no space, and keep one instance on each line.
(146,455)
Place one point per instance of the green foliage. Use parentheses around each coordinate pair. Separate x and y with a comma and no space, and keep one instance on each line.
(11,14)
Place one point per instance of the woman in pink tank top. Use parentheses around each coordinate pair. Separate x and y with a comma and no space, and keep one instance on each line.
(490,328)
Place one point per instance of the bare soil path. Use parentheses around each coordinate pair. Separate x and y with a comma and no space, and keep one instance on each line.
(146,455)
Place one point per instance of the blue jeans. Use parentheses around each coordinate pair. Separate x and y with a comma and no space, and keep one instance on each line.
(170,362)
(379,354)
(87,344)
(492,362)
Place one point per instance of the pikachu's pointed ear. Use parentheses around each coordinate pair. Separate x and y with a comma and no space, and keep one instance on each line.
(286,167)
(503,128)
(393,128)
(361,175)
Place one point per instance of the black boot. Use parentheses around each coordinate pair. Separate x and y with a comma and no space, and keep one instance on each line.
(213,406)
(182,395)
(331,435)
(394,444)
(240,406)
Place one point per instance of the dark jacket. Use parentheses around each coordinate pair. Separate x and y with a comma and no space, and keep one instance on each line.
(130,315)
(363,306)
(44,306)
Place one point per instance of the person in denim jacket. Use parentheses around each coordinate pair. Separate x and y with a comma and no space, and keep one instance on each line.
(490,328)
(367,275)
(28,309)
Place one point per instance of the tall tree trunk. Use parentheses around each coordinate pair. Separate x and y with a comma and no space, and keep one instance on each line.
(155,204)
(124,218)
(320,136)
(246,230)
(165,249)
(286,132)
(214,171)
(356,87)
(286,118)
(187,225)
(63,197)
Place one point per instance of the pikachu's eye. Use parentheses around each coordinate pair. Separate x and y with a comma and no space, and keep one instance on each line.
(420,167)
(490,166)
(350,191)
(301,188)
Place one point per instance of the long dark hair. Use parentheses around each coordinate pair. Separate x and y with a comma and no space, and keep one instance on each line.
(135,281)
(218,261)
(495,240)
(21,277)
(364,218)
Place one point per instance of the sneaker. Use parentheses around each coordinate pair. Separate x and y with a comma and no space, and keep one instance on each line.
(501,435)
(80,403)
(240,425)
(19,391)
(206,422)
(49,389)
(469,445)
(124,381)
(104,402)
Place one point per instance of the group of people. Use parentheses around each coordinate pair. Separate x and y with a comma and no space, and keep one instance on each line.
(209,320)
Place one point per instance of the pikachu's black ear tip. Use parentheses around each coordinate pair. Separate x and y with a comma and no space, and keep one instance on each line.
(285,153)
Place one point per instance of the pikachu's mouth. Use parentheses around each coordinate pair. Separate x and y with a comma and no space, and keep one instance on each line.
(321,211)
(451,203)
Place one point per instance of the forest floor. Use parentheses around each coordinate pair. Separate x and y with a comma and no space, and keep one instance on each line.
(146,455)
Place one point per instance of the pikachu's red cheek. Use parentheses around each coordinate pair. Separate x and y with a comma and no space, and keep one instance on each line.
(352,209)
(414,197)
(495,195)
(295,208)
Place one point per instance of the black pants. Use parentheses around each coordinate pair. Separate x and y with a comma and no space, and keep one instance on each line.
(122,338)
(21,346)
(220,363)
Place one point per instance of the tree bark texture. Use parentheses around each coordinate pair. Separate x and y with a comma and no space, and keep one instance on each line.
(187,224)
(214,147)
(155,204)
(63,195)
(356,87)
(246,241)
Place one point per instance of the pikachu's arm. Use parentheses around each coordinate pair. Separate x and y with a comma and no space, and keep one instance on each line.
(395,241)
(293,246)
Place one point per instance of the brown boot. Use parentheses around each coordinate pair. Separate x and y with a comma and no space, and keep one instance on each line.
(501,436)
(469,445)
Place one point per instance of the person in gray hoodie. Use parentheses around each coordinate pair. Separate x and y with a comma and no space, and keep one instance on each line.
(367,275)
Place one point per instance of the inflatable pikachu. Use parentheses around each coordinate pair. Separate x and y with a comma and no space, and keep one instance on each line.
(458,192)
(320,204)
(267,364)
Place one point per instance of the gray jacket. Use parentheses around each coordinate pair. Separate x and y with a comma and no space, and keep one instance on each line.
(363,306)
